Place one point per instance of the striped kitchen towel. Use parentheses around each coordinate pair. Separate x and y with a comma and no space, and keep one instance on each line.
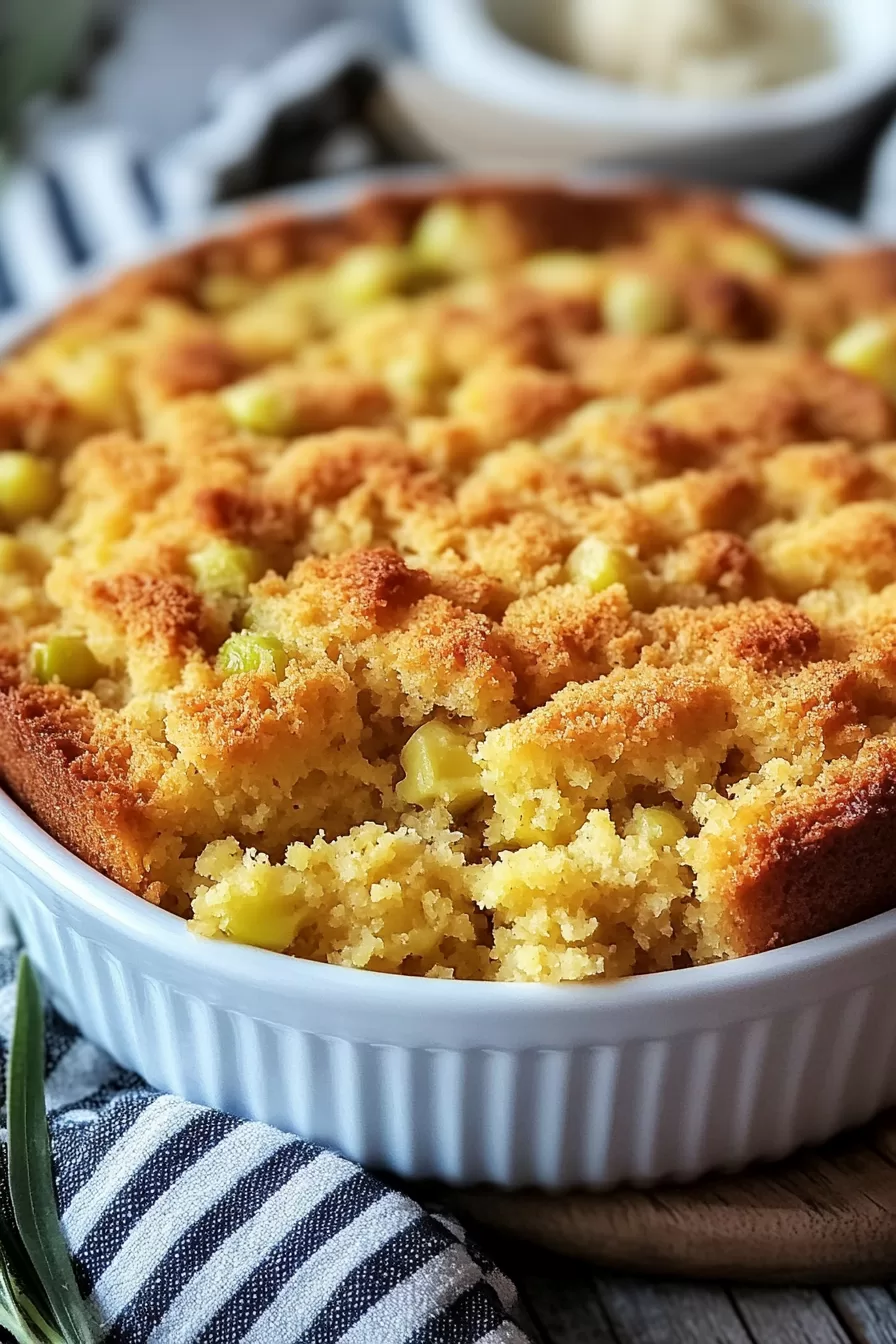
(87,200)
(187,1226)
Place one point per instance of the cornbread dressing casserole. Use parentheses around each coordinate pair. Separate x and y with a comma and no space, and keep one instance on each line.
(498,584)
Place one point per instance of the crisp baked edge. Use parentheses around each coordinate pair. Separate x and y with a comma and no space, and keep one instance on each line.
(554,215)
(822,862)
(78,793)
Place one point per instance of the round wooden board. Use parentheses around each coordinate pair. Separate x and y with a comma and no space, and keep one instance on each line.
(823,1216)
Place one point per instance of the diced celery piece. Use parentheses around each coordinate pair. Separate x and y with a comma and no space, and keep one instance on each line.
(65,658)
(749,255)
(244,652)
(597,564)
(259,405)
(92,380)
(636,304)
(448,238)
(226,569)
(868,349)
(28,486)
(364,275)
(660,825)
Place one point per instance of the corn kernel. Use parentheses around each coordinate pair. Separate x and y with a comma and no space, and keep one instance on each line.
(261,655)
(367,274)
(411,377)
(596,565)
(225,569)
(222,291)
(278,321)
(638,305)
(749,255)
(259,912)
(448,239)
(258,927)
(65,658)
(259,405)
(438,767)
(868,349)
(92,381)
(11,554)
(659,825)
(28,486)
(563,272)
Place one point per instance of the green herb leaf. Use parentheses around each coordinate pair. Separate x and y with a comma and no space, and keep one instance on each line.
(20,1317)
(19,1267)
(10,1317)
(24,1311)
(18,1329)
(30,1169)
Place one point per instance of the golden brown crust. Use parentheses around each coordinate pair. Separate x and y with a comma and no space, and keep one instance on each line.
(377,586)
(728,307)
(563,635)
(195,364)
(614,365)
(162,613)
(772,637)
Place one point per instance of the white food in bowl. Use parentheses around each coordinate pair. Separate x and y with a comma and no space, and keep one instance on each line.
(661,1076)
(705,48)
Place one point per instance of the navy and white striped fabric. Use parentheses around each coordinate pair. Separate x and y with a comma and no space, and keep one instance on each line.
(186,1225)
(86,200)
(89,201)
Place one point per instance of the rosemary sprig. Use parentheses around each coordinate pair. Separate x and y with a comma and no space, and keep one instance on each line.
(40,1302)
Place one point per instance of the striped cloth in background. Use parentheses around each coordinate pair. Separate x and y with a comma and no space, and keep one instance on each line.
(90,201)
(187,1226)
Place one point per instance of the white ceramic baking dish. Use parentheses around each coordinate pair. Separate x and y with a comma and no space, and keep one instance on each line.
(661,1076)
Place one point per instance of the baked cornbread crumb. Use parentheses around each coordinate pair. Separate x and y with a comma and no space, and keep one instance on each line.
(500,586)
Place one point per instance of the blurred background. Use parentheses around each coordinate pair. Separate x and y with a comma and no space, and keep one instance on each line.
(152,63)
(122,117)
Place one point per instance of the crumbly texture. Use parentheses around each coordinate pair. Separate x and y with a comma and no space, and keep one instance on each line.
(690,756)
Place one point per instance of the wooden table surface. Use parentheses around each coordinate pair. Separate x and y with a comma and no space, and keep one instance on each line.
(567,1302)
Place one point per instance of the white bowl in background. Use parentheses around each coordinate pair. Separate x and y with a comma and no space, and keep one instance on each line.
(768,135)
(661,1076)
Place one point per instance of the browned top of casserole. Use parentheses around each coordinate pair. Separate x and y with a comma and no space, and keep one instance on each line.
(498,583)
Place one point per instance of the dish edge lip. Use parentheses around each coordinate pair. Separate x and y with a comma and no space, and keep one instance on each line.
(800,222)
(78,884)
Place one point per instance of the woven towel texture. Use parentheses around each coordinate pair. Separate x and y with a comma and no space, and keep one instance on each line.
(188,1226)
